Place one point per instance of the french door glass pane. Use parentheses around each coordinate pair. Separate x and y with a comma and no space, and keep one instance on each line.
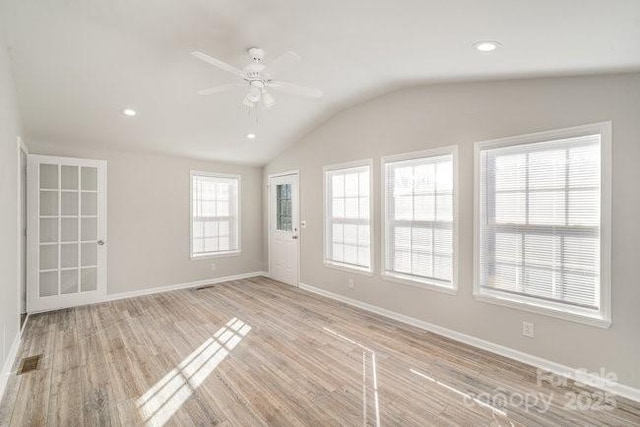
(89,177)
(88,279)
(89,229)
(89,254)
(69,255)
(48,176)
(69,281)
(48,283)
(69,203)
(69,231)
(48,230)
(69,175)
(49,203)
(48,257)
(89,204)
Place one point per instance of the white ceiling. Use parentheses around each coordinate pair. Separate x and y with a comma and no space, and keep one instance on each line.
(78,63)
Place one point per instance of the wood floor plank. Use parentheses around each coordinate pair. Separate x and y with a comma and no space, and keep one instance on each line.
(256,352)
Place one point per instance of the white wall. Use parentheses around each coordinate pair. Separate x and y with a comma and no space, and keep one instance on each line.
(431,116)
(9,282)
(148,218)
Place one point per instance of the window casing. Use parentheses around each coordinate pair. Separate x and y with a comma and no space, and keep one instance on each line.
(348,191)
(420,219)
(215,214)
(542,223)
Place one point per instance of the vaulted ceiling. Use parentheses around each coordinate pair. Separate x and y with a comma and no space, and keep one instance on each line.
(79,63)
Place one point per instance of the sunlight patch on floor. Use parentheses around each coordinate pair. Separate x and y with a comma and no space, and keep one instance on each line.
(459,393)
(162,400)
(366,351)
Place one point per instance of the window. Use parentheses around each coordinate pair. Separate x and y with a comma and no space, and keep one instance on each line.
(283,208)
(215,218)
(542,224)
(348,216)
(420,218)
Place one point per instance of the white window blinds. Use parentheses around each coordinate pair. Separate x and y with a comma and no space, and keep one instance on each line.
(214,214)
(540,231)
(419,219)
(348,211)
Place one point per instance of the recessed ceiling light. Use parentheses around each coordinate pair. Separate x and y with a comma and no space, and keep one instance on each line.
(129,112)
(486,46)
(251,135)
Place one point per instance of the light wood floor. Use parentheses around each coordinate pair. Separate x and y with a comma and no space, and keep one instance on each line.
(257,352)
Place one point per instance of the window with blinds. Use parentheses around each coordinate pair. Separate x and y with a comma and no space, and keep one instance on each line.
(540,207)
(215,218)
(420,218)
(348,216)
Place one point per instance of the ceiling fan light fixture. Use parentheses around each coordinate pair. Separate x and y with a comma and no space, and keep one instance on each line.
(246,101)
(268,100)
(254,94)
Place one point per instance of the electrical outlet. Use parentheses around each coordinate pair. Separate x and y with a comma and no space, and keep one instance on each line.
(214,266)
(527,329)
(350,283)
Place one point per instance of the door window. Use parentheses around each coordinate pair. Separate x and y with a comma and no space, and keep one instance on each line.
(283,205)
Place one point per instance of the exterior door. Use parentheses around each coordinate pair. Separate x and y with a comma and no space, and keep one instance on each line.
(66,232)
(283,228)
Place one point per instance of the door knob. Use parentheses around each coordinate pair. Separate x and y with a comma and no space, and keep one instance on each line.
(101,242)
(294,237)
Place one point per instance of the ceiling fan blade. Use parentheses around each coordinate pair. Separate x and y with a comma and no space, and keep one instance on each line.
(283,62)
(217,63)
(295,89)
(222,88)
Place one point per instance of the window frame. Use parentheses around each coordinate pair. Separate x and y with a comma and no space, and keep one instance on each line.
(325,231)
(219,254)
(601,317)
(402,279)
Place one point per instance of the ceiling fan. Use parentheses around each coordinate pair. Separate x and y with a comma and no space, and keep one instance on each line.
(257,78)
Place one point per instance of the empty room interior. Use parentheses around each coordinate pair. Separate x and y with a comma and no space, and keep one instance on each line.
(366,212)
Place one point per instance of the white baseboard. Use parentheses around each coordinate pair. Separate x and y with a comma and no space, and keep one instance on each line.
(538,362)
(26,319)
(194,284)
(8,364)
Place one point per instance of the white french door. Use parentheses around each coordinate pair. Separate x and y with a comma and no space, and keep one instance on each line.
(283,228)
(66,232)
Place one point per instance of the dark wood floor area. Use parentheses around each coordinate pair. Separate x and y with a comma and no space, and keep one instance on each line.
(257,352)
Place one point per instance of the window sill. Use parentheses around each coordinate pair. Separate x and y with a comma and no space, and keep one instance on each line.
(215,255)
(432,286)
(349,268)
(592,319)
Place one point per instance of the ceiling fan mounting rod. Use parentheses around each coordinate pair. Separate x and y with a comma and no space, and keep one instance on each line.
(256,54)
